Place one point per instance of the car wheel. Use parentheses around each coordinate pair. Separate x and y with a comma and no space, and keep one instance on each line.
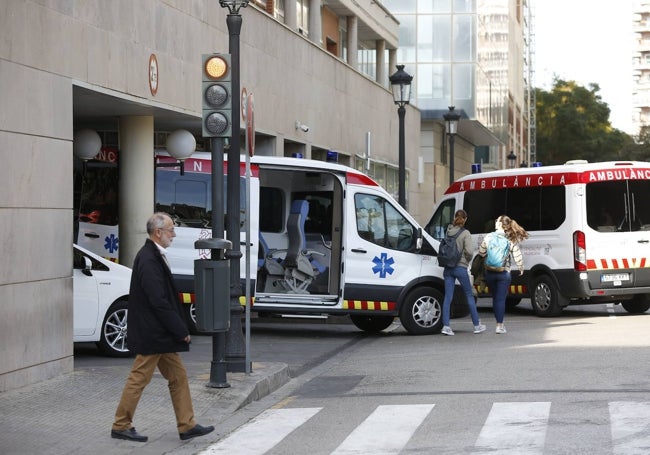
(190,315)
(112,341)
(639,304)
(546,298)
(421,312)
(371,323)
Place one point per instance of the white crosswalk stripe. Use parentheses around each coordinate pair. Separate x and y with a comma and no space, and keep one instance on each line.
(262,433)
(509,428)
(630,423)
(385,431)
(515,428)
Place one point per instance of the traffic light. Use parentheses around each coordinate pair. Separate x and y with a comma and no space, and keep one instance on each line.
(217,95)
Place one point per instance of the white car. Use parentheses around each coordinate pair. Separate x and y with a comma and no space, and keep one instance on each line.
(101,292)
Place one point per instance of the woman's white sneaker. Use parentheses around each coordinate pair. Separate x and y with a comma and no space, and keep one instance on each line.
(501,329)
(479,328)
(446,330)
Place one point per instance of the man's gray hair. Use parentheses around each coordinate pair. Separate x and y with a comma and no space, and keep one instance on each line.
(156,221)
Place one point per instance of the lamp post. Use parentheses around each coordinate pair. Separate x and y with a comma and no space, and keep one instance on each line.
(451,127)
(235,344)
(511,159)
(401,84)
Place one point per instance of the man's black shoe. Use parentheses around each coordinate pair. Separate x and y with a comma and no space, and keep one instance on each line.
(198,430)
(129,435)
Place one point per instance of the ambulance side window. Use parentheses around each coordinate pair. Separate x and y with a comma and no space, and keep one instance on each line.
(380,223)
(437,227)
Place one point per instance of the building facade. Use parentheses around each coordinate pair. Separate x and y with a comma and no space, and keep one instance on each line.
(132,72)
(641,65)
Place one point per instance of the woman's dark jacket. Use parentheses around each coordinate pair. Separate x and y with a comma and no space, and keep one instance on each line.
(156,321)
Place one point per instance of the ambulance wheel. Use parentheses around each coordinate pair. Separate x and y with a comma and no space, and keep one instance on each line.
(112,340)
(638,305)
(546,298)
(421,312)
(371,323)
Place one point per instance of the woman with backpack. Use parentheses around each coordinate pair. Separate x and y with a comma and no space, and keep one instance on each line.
(497,248)
(458,271)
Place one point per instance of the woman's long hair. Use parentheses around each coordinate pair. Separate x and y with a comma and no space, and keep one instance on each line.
(514,232)
(460,217)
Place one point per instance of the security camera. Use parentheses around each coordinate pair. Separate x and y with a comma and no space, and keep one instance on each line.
(302,127)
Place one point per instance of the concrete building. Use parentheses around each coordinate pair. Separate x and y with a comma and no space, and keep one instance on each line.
(131,71)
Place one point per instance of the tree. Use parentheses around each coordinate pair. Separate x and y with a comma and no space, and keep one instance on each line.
(573,123)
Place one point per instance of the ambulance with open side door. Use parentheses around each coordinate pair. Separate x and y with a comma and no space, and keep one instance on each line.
(325,239)
(589,226)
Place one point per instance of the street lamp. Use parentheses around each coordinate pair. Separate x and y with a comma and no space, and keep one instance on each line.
(401,84)
(451,127)
(511,159)
(235,344)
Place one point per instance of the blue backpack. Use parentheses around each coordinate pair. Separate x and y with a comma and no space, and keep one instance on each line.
(498,249)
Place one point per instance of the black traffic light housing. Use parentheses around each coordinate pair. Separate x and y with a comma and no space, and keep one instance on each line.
(217,95)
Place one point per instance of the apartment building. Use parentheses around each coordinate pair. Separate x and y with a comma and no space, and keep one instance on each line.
(641,65)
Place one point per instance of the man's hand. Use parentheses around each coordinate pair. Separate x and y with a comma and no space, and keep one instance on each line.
(187,339)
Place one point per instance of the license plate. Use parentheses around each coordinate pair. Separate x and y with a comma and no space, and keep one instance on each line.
(614,277)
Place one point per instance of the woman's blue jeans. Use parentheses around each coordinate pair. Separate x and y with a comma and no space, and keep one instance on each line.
(451,274)
(498,283)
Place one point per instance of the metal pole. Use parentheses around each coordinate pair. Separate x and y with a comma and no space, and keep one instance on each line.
(451,158)
(401,112)
(218,365)
(235,349)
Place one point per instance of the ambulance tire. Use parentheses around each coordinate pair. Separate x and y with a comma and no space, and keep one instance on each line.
(421,312)
(372,324)
(546,298)
(113,337)
(638,305)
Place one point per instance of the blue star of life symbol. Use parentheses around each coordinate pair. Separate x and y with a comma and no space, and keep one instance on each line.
(383,265)
(111,243)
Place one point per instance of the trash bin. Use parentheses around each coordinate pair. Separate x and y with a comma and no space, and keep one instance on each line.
(212,286)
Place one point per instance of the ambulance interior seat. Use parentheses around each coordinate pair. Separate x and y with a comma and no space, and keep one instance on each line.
(300,266)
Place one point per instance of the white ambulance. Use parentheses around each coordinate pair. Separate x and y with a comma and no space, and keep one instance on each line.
(325,239)
(589,226)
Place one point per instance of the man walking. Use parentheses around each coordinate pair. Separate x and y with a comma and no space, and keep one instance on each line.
(157,331)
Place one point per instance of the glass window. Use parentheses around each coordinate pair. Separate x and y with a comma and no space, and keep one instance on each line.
(617,206)
(434,6)
(464,37)
(464,6)
(433,83)
(380,223)
(437,227)
(407,39)
(188,198)
(434,38)
(463,82)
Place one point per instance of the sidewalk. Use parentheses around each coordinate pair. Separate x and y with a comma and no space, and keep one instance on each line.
(73,413)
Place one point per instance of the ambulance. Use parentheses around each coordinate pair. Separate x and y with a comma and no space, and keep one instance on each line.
(324,239)
(589,226)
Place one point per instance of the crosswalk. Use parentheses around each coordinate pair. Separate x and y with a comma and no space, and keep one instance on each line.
(510,428)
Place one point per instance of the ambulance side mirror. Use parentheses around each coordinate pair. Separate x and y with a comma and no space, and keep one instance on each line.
(418,240)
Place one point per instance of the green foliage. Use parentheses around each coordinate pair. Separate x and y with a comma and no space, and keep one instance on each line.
(573,123)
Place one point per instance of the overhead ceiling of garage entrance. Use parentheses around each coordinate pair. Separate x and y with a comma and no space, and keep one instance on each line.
(102,111)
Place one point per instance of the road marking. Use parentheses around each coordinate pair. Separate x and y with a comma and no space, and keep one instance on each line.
(263,432)
(514,428)
(385,431)
(630,425)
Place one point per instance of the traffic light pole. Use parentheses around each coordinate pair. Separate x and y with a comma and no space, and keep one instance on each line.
(235,344)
